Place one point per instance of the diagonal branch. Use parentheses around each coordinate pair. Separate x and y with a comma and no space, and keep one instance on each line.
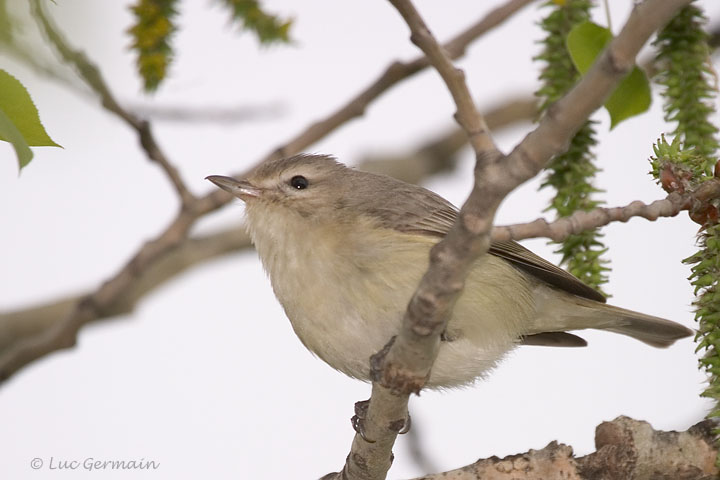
(404,364)
(467,115)
(93,78)
(19,325)
(705,194)
(63,333)
(393,74)
(435,156)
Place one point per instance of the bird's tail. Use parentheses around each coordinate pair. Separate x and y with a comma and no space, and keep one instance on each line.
(654,331)
(575,313)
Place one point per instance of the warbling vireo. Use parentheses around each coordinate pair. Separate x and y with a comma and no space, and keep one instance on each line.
(345,250)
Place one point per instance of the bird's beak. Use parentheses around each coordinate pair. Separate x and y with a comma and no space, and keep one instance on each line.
(240,188)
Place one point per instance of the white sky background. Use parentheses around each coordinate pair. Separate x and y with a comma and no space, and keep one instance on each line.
(207,377)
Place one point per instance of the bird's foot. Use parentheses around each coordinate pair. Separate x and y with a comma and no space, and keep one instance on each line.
(358,420)
(400,426)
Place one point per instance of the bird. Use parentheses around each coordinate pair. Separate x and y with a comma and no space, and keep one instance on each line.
(345,249)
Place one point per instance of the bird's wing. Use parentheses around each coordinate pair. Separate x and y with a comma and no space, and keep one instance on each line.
(540,268)
(433,215)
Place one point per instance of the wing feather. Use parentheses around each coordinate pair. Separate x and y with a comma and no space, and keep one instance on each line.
(433,215)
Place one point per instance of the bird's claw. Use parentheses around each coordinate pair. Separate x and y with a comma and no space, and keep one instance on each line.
(400,426)
(406,427)
(358,419)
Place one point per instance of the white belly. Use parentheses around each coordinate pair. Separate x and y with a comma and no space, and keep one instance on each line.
(345,302)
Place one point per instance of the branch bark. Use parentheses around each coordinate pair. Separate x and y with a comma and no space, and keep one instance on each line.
(16,326)
(62,334)
(393,74)
(626,448)
(19,325)
(403,366)
(705,194)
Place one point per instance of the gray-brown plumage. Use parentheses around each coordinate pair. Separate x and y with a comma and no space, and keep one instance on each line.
(345,249)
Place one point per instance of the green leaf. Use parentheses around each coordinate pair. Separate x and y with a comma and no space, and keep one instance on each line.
(9,131)
(585,42)
(632,96)
(20,110)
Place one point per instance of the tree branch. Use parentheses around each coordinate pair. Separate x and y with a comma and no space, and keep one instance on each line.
(220,115)
(467,115)
(580,221)
(63,334)
(404,364)
(440,154)
(626,448)
(93,78)
(393,74)
(16,326)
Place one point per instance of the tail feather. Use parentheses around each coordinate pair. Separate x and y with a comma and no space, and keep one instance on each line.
(654,331)
(564,313)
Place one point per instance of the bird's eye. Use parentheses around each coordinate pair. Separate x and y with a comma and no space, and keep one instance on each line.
(299,182)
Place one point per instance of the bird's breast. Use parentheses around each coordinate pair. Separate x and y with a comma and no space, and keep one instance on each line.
(344,292)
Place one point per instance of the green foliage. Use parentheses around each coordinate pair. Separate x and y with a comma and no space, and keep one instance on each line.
(680,158)
(585,42)
(559,73)
(269,28)
(632,96)
(571,173)
(155,25)
(19,120)
(691,158)
(705,278)
(151,36)
(686,74)
(10,133)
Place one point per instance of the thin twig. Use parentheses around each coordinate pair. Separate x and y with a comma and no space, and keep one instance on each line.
(209,114)
(393,74)
(581,221)
(467,115)
(440,153)
(89,72)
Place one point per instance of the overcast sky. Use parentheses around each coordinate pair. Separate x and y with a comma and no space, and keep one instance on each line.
(206,377)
